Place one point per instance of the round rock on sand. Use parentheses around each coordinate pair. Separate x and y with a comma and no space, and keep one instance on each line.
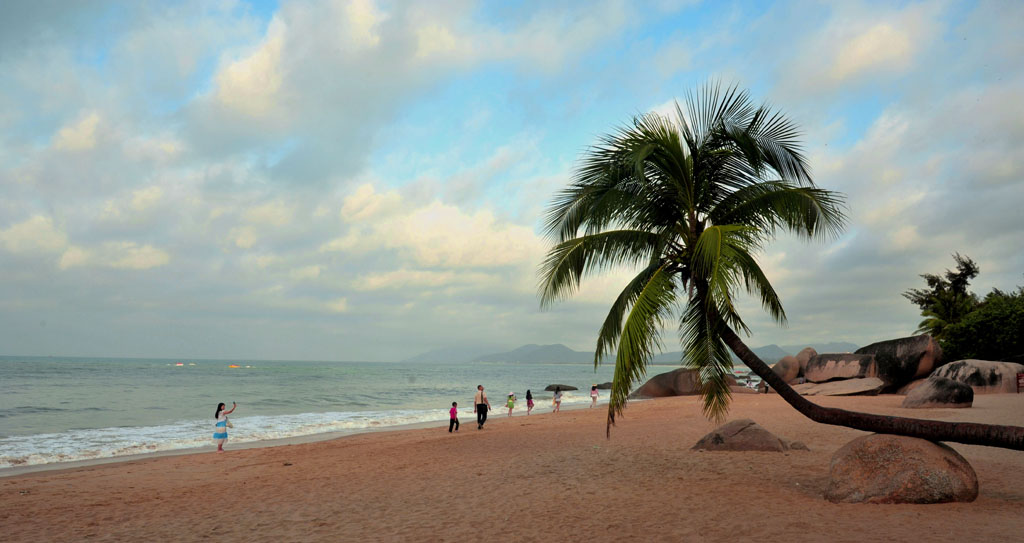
(883,468)
(984,376)
(940,392)
(788,368)
(680,382)
(833,366)
(805,356)
(902,360)
(740,435)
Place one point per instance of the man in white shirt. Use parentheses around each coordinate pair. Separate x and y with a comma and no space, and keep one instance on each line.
(481,406)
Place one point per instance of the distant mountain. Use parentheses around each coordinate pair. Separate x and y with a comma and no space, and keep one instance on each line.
(557,354)
(769,353)
(560,354)
(832,347)
(449,354)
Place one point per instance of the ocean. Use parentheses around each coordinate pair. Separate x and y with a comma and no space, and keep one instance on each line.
(66,409)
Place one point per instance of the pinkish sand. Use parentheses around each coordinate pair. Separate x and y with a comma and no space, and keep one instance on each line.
(546,477)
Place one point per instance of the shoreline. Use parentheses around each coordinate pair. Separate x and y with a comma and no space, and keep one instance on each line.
(14,471)
(525,478)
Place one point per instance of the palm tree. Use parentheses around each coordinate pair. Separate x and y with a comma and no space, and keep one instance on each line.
(691,203)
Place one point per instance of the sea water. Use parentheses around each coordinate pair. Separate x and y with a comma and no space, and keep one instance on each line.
(66,409)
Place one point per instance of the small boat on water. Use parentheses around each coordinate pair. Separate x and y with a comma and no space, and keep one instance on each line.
(180,364)
(234,366)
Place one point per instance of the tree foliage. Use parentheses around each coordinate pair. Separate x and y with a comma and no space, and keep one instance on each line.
(690,201)
(993,331)
(946,300)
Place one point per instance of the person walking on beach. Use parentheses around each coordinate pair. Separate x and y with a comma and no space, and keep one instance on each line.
(529,401)
(220,429)
(557,399)
(511,402)
(454,413)
(593,395)
(481,406)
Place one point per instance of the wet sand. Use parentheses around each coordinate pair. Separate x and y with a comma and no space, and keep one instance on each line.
(548,476)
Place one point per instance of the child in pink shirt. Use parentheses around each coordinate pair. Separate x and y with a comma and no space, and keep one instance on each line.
(454,412)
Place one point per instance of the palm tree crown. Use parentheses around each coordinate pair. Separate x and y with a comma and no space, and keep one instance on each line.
(690,202)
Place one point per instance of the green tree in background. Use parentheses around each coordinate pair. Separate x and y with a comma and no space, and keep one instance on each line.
(946,300)
(691,203)
(993,331)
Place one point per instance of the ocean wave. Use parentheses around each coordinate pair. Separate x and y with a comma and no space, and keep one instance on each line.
(85,444)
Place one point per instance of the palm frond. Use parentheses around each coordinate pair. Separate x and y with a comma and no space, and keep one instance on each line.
(770,205)
(705,352)
(608,336)
(567,262)
(640,337)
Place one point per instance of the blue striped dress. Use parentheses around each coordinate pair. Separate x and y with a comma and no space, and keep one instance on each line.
(220,430)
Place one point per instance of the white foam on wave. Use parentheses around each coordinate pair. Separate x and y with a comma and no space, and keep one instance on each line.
(113,442)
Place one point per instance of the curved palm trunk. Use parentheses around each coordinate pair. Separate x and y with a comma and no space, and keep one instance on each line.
(1007,437)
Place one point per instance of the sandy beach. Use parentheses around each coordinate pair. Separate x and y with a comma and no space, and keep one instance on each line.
(543,477)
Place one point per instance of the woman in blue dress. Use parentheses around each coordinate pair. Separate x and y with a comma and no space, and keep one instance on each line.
(220,429)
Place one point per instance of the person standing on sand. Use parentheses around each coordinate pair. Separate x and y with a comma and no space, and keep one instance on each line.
(593,395)
(220,429)
(557,399)
(511,402)
(529,402)
(481,406)
(454,413)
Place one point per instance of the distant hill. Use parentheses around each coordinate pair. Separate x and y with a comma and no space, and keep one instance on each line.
(560,354)
(832,347)
(450,354)
(557,354)
(769,353)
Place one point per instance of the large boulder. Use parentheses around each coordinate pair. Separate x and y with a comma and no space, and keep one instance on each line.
(743,435)
(983,376)
(605,386)
(882,468)
(867,386)
(551,388)
(905,389)
(940,392)
(805,356)
(832,366)
(788,368)
(680,382)
(902,360)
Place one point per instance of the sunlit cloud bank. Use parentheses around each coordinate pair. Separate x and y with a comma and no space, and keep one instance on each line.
(365,180)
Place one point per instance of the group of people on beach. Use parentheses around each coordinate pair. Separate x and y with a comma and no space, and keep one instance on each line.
(481,405)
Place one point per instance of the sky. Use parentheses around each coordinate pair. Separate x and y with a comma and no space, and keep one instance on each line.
(364,180)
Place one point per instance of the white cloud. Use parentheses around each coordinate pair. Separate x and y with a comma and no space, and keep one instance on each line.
(338,305)
(274,213)
(35,235)
(365,204)
(74,257)
(305,273)
(78,136)
(442,235)
(250,85)
(115,254)
(133,205)
(883,46)
(243,237)
(425,279)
